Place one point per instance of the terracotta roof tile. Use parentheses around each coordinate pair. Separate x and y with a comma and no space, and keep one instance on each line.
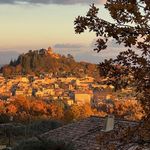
(83,134)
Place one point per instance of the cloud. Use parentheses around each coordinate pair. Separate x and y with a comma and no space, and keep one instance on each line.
(70,46)
(62,2)
(111,44)
(88,55)
(7,1)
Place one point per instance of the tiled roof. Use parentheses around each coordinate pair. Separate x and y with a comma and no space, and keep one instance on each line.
(84,92)
(83,134)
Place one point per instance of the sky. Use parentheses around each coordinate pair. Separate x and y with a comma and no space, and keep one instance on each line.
(35,24)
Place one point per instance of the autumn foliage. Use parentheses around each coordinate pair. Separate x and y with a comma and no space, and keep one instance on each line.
(131,28)
(77,112)
(129,109)
(24,109)
(27,109)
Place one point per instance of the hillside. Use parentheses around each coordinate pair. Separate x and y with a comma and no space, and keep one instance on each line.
(45,61)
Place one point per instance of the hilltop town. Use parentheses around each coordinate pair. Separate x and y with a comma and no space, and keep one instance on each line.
(29,94)
(67,90)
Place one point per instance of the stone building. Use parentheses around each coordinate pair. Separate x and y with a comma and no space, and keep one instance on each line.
(83,97)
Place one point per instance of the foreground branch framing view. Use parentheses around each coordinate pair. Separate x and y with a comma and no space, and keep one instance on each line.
(50,100)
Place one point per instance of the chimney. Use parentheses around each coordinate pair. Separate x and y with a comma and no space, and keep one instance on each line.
(109,123)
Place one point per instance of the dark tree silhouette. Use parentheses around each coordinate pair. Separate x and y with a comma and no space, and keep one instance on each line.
(130,27)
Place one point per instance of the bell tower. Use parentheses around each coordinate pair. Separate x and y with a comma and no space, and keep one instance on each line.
(50,51)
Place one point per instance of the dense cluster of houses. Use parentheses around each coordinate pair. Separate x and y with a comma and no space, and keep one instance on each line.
(68,89)
(71,89)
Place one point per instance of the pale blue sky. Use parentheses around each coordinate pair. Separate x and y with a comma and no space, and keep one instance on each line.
(34,26)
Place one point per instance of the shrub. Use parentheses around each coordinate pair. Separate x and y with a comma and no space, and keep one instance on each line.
(40,144)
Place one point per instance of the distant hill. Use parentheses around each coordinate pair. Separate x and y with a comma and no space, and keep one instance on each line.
(6,56)
(45,61)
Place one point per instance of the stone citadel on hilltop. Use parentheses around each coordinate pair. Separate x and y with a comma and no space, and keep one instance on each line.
(50,52)
(46,61)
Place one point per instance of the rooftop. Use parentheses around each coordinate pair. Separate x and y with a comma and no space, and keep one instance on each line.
(84,134)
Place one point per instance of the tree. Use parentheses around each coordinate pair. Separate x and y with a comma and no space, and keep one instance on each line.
(55,111)
(131,27)
(70,57)
(77,112)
